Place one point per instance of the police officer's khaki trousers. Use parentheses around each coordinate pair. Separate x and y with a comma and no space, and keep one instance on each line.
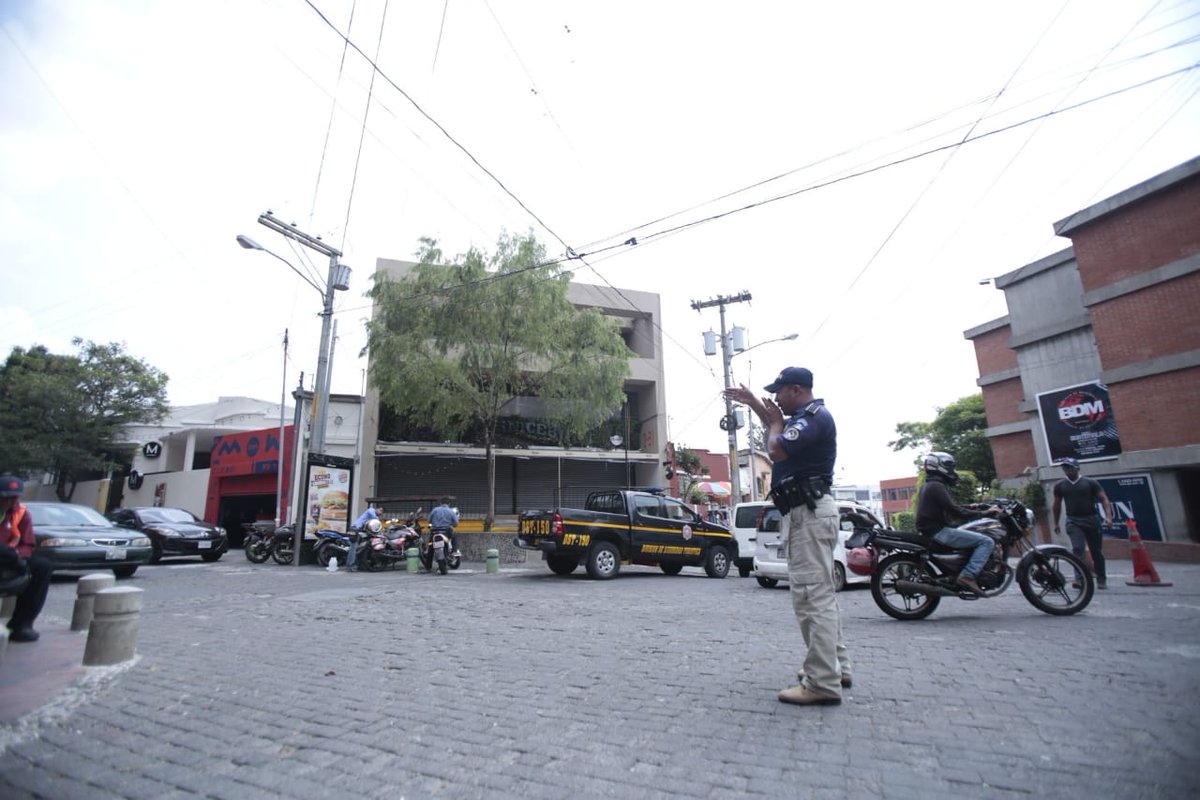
(811,536)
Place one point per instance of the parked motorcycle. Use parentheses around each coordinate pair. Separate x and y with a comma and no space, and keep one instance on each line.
(283,544)
(258,536)
(334,544)
(388,542)
(910,575)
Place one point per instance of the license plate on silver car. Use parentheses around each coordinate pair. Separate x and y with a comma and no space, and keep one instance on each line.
(114,553)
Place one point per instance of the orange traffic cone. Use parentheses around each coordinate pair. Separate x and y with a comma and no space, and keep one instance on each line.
(1144,573)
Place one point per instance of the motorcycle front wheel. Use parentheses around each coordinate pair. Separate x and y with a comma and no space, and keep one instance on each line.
(897,604)
(326,551)
(257,550)
(283,551)
(370,560)
(1056,582)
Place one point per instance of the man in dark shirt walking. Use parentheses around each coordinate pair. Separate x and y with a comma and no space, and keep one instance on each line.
(1081,496)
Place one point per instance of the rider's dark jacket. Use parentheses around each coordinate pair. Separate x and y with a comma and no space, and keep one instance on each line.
(936,509)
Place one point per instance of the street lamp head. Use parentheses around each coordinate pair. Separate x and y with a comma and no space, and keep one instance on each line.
(248,243)
(791,336)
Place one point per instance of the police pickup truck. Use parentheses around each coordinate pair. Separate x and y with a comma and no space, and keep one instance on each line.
(626,526)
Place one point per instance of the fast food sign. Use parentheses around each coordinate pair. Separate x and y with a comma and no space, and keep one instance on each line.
(328,493)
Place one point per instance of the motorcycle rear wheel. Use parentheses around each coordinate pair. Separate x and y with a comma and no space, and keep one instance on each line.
(902,566)
(1048,581)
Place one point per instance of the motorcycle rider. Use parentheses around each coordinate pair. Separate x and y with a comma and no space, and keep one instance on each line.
(446,518)
(935,511)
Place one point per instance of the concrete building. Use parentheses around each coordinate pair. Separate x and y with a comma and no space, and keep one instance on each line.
(1099,359)
(532,474)
(219,460)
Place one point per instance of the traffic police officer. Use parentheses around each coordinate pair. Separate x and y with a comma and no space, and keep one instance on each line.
(802,444)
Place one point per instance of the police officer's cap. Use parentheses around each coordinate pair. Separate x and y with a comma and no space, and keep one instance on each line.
(798,376)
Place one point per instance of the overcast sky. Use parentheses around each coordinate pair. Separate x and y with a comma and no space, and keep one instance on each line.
(857,167)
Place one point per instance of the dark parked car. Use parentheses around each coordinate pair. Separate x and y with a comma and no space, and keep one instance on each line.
(174,532)
(77,537)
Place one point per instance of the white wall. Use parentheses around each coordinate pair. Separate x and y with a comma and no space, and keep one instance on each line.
(182,489)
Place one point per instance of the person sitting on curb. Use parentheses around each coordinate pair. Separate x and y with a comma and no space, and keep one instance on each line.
(17,547)
(444,517)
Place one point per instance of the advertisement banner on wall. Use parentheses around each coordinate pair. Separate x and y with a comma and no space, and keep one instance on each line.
(1132,498)
(328,487)
(1078,422)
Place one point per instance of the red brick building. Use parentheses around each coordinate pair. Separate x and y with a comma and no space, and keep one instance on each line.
(1099,359)
(897,495)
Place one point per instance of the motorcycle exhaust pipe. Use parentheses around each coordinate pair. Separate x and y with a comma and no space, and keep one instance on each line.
(912,587)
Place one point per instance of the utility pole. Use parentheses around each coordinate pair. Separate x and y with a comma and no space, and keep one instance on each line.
(729,422)
(338,279)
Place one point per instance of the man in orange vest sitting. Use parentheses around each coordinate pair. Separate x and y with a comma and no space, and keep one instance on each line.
(17,545)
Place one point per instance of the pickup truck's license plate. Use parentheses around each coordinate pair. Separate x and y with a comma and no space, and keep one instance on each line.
(204,545)
(114,553)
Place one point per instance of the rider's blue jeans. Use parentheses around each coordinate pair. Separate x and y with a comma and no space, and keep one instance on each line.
(957,537)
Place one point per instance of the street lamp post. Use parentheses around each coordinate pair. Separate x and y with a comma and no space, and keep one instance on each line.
(338,279)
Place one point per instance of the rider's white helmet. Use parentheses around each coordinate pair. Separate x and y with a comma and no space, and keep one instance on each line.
(374,525)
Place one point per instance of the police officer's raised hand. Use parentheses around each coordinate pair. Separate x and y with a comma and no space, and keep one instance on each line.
(764,407)
(740,394)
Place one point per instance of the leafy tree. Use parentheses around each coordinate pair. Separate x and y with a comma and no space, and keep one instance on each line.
(454,344)
(62,414)
(690,467)
(957,429)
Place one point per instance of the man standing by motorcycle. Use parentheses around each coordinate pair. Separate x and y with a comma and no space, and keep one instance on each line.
(1083,524)
(802,445)
(443,517)
(936,512)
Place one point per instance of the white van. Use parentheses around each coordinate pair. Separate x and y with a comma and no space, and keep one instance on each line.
(744,526)
(770,568)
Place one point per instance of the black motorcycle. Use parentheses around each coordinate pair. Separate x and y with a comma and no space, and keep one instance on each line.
(283,544)
(910,575)
(258,536)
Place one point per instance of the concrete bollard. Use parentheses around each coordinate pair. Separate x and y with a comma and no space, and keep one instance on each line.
(413,564)
(112,636)
(85,597)
(493,560)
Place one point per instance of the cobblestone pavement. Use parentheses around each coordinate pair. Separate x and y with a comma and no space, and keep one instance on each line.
(272,682)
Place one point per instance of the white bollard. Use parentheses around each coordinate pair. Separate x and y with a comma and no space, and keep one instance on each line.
(85,597)
(112,636)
